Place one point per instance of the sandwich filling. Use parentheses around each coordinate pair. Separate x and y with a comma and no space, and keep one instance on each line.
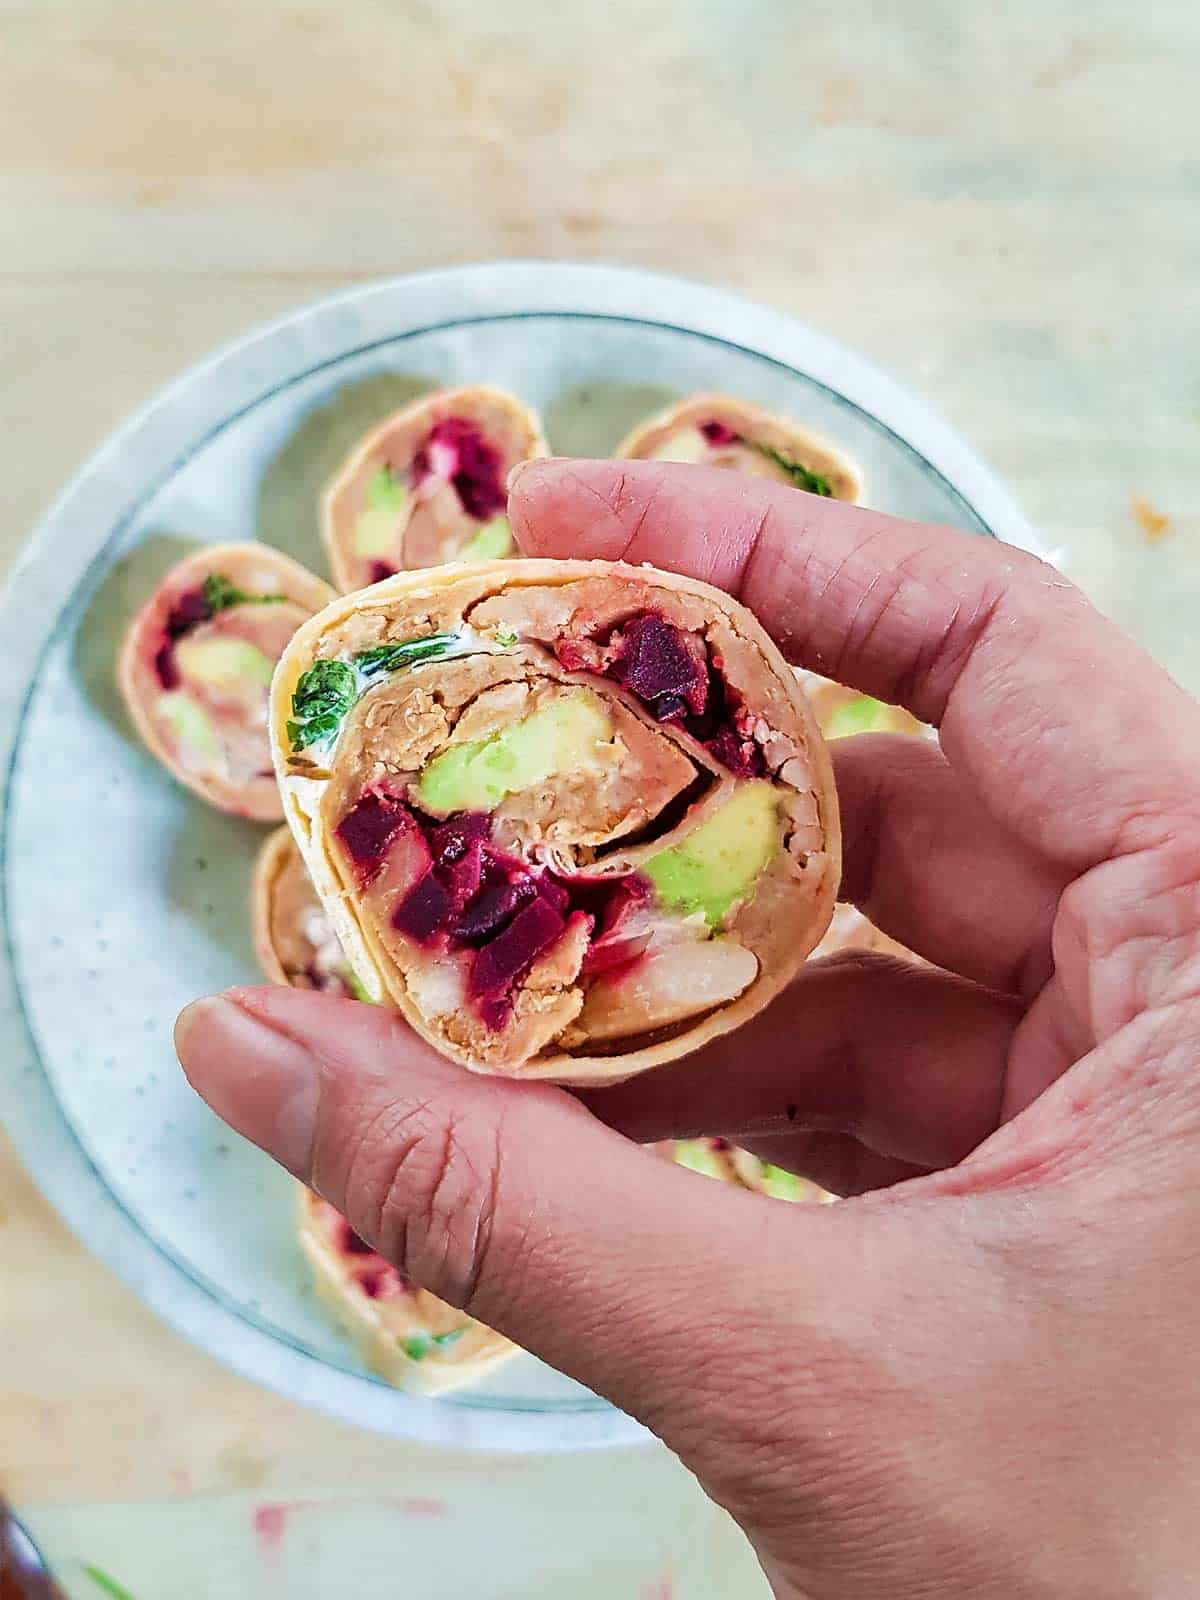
(569,815)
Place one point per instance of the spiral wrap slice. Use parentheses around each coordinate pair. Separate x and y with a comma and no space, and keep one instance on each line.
(571,818)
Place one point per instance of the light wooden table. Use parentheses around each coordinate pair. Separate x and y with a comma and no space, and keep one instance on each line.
(997,205)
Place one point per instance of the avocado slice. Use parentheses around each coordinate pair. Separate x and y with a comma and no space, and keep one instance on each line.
(781,1184)
(860,715)
(192,726)
(717,867)
(376,529)
(699,1156)
(225,663)
(493,541)
(476,775)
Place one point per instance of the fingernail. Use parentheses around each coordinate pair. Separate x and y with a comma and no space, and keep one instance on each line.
(259,1081)
(528,472)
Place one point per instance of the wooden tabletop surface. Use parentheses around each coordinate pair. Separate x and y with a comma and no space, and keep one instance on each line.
(997,204)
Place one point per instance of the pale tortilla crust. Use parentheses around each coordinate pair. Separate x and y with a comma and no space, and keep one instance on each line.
(479,1351)
(269,863)
(259,799)
(472,398)
(302,795)
(758,425)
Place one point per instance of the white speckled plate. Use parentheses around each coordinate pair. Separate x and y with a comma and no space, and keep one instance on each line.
(124,896)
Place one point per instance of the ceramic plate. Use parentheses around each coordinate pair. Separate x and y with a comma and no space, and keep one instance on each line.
(124,896)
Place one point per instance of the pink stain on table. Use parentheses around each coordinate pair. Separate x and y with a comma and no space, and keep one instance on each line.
(422,1505)
(270,1521)
(662,1589)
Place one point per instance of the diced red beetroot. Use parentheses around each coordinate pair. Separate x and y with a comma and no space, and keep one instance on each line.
(656,664)
(494,1010)
(379,570)
(509,956)
(459,450)
(424,910)
(606,955)
(367,830)
(383,1283)
(492,909)
(458,850)
(190,609)
(741,755)
(352,1243)
(719,433)
(165,665)
(452,839)
(554,893)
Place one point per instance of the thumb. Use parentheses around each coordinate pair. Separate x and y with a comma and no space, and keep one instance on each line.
(647,1283)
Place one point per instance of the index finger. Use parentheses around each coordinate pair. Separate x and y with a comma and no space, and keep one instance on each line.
(1072,736)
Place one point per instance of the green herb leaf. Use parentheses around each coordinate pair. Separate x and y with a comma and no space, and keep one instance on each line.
(329,689)
(356,986)
(104,1581)
(391,657)
(814,482)
(322,698)
(221,593)
(505,638)
(418,1345)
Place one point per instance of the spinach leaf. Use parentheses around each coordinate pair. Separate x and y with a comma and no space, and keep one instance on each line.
(220,593)
(814,482)
(104,1581)
(329,689)
(418,1345)
(322,698)
(391,657)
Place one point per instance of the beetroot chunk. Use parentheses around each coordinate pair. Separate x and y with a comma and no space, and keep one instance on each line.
(424,909)
(719,433)
(189,611)
(166,666)
(503,962)
(492,910)
(457,449)
(381,570)
(741,755)
(352,1243)
(369,828)
(657,666)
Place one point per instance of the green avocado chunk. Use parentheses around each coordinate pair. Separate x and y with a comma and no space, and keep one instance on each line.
(699,1156)
(375,530)
(779,1183)
(191,725)
(859,715)
(223,662)
(476,775)
(492,542)
(717,867)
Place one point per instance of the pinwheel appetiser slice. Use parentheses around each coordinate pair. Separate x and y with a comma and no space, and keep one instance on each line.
(841,713)
(405,1334)
(717,430)
(294,939)
(729,1163)
(195,669)
(571,818)
(429,486)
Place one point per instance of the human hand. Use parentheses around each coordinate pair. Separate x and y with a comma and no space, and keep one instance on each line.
(977,1376)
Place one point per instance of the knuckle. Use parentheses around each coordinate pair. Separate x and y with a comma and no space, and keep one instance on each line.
(439,1199)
